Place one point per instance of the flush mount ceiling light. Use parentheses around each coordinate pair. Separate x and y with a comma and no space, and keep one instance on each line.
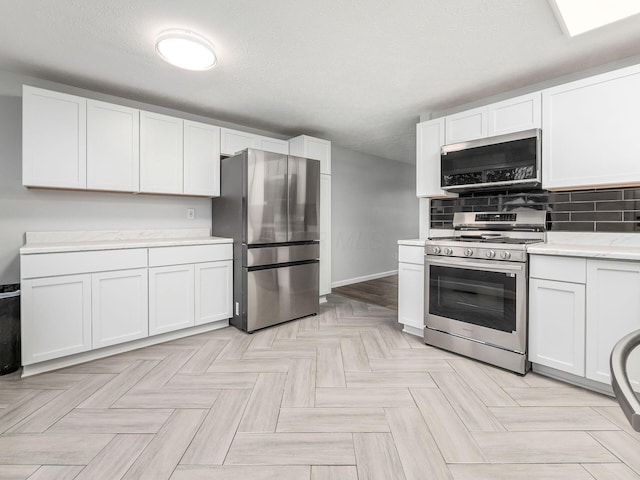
(186,49)
(579,16)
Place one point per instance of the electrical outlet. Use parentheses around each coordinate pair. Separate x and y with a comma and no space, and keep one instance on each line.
(191,213)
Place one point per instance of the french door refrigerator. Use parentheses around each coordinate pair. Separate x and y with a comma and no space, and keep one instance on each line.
(270,205)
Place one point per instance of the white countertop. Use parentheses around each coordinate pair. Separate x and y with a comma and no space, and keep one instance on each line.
(415,242)
(79,241)
(616,246)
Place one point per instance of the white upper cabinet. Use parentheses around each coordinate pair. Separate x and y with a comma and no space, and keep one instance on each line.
(113,146)
(232,141)
(53,139)
(201,159)
(590,130)
(430,138)
(468,125)
(515,114)
(161,152)
(512,115)
(314,148)
(273,145)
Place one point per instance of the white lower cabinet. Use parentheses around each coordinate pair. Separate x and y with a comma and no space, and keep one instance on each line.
(578,310)
(557,325)
(213,291)
(181,296)
(171,299)
(613,310)
(119,307)
(411,288)
(189,285)
(410,295)
(75,302)
(56,317)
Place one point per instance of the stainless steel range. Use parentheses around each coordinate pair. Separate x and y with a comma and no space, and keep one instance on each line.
(476,286)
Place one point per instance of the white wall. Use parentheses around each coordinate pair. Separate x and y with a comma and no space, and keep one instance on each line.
(374,205)
(34,210)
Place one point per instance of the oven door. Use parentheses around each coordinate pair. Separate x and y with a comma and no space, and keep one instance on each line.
(481,300)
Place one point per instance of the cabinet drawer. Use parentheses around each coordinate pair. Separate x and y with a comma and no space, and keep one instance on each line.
(562,269)
(68,263)
(408,254)
(161,256)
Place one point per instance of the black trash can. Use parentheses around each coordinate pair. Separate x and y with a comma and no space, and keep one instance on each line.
(9,328)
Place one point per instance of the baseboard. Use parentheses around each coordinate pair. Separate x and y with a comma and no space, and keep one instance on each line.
(373,276)
(573,379)
(70,360)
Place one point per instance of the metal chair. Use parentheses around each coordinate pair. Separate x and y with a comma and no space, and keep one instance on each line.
(622,389)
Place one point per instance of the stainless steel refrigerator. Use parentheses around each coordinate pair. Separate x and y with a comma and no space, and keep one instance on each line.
(270,205)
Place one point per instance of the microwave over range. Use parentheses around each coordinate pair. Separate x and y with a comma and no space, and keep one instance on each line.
(494,162)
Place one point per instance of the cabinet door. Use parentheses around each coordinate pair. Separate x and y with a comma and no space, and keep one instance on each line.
(53,139)
(325,234)
(591,131)
(201,159)
(314,148)
(273,145)
(113,147)
(232,141)
(515,114)
(430,138)
(56,317)
(468,125)
(557,325)
(161,150)
(613,310)
(411,295)
(213,291)
(171,298)
(119,306)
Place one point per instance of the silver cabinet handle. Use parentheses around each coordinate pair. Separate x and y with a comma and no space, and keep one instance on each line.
(620,379)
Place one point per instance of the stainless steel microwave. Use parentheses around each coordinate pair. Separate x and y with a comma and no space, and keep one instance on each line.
(494,162)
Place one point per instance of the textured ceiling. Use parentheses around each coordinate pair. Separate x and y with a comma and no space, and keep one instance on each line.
(357,72)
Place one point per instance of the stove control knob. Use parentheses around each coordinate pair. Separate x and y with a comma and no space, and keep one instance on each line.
(448,251)
(436,250)
(491,254)
(505,255)
(468,252)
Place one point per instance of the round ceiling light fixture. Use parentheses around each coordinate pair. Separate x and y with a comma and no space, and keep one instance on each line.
(186,49)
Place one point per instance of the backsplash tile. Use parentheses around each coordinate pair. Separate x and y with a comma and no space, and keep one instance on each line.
(608,210)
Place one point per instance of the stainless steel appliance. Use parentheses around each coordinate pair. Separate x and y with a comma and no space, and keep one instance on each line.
(476,286)
(270,206)
(494,162)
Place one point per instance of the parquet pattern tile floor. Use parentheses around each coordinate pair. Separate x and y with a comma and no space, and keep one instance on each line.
(342,395)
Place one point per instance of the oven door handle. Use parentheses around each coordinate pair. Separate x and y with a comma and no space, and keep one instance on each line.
(454,262)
